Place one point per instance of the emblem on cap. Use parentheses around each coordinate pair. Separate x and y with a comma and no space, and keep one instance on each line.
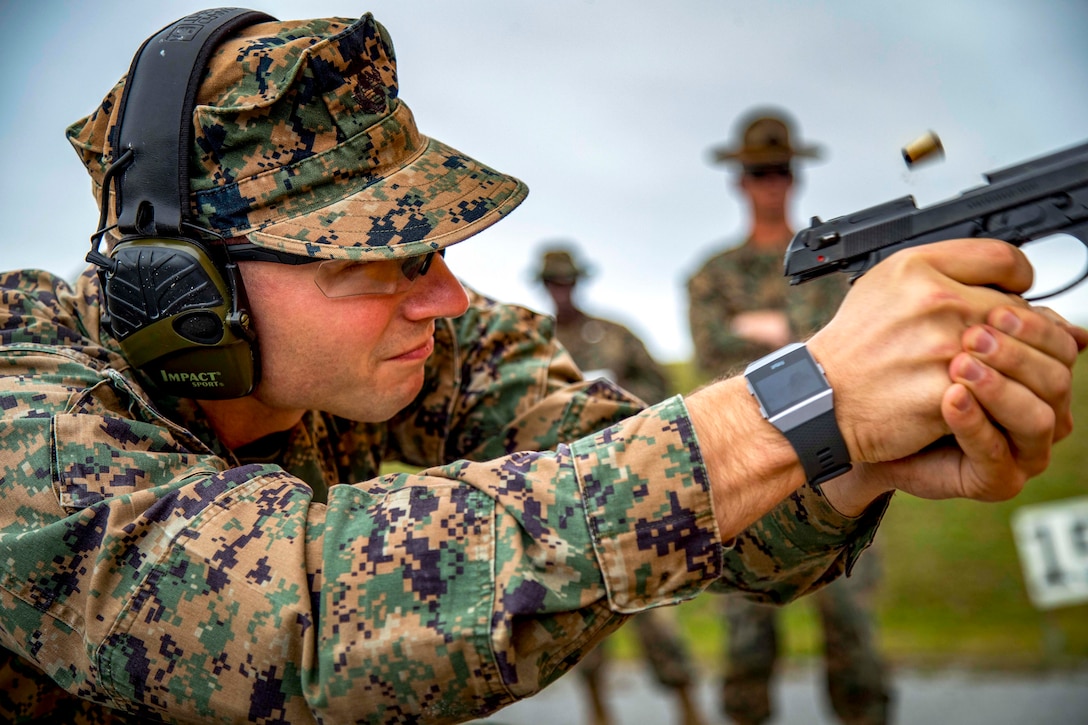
(369,92)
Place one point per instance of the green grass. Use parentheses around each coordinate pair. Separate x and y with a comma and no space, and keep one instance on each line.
(952,589)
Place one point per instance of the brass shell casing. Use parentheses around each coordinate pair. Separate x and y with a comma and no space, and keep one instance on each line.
(927,146)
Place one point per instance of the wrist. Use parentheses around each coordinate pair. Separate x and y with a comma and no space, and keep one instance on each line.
(852,493)
(751,465)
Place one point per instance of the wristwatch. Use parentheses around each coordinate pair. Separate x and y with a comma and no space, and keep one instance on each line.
(794,395)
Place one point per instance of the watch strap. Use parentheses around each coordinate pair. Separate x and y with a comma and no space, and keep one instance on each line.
(820,448)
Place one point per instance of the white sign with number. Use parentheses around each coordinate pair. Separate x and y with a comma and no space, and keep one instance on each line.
(1052,539)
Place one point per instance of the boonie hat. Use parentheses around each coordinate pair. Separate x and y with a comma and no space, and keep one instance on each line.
(558,265)
(765,142)
(302,144)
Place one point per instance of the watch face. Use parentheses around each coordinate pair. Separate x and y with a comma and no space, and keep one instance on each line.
(787,381)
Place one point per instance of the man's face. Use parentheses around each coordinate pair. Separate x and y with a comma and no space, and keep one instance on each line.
(561,292)
(358,357)
(767,187)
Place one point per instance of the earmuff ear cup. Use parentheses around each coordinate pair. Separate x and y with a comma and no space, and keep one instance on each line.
(177,321)
(179,316)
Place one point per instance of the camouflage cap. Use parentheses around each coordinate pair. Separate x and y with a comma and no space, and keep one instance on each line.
(302,145)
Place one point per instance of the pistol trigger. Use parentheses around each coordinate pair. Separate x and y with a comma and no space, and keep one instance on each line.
(860,266)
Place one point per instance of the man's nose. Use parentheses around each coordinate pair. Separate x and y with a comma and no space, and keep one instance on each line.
(438,293)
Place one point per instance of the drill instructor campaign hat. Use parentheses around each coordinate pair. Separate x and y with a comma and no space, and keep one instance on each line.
(765,142)
(302,144)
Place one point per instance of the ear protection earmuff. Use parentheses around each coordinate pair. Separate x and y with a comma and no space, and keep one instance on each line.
(173,300)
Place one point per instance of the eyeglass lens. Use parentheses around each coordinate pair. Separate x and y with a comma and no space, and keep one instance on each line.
(338,278)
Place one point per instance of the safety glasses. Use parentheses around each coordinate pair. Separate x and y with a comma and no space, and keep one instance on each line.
(345,278)
(774,171)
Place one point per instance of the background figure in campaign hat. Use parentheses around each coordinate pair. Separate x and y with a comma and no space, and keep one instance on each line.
(741,308)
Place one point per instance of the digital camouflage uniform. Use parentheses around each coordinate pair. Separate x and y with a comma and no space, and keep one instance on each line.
(739,280)
(148,569)
(152,573)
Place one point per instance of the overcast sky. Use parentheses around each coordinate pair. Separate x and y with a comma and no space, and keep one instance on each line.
(606,108)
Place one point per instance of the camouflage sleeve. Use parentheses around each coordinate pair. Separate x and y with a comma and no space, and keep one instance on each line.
(800,546)
(145,576)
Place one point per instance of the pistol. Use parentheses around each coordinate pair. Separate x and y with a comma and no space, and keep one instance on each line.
(1035,199)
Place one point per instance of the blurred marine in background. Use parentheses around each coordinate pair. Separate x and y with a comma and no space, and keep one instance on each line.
(742,308)
(602,348)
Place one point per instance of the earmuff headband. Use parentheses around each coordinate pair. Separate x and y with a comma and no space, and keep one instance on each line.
(152,193)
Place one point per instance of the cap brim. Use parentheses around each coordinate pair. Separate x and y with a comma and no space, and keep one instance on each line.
(729,155)
(437,198)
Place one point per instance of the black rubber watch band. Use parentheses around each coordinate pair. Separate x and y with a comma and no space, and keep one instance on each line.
(820,447)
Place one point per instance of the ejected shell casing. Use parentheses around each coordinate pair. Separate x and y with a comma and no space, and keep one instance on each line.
(927,146)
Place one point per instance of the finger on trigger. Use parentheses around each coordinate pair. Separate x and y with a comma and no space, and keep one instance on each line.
(980,261)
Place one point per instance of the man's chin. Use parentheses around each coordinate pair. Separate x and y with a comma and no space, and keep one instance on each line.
(384,405)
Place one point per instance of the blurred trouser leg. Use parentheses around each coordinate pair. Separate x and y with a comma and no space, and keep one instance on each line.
(751,654)
(591,671)
(663,646)
(857,681)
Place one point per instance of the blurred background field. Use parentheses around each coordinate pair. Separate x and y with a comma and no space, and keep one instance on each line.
(952,591)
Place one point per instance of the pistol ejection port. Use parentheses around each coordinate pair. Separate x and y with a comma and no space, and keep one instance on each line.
(824,240)
(926,146)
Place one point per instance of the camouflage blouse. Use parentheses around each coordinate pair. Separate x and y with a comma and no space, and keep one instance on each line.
(743,279)
(602,348)
(148,573)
